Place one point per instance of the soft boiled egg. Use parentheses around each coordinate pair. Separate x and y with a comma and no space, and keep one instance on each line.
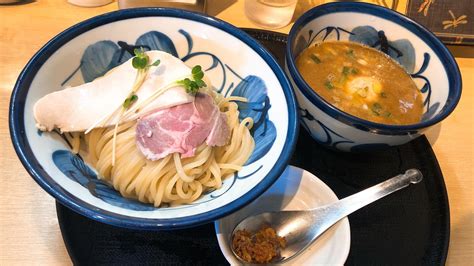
(365,87)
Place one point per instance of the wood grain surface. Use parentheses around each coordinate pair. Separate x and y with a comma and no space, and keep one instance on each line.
(29,231)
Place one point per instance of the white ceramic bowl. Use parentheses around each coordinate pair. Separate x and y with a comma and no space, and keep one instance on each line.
(235,63)
(296,189)
(423,55)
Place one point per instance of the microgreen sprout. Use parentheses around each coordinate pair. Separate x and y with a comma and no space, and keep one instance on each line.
(141,63)
(141,60)
(193,84)
(129,101)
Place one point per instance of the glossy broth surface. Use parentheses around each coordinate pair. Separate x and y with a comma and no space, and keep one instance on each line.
(361,81)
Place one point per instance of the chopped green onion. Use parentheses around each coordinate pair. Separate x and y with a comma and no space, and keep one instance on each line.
(349,70)
(363,92)
(315,58)
(383,94)
(346,71)
(350,54)
(329,85)
(376,108)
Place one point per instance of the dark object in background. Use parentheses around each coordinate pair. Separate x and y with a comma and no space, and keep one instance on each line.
(2,2)
(450,20)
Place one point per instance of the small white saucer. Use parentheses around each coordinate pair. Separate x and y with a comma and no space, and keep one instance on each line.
(296,189)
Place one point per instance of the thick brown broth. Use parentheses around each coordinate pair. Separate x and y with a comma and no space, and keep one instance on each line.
(361,81)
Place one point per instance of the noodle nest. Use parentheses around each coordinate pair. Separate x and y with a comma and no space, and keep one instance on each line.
(171,180)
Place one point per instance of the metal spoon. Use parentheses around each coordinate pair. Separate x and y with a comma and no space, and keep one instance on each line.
(301,228)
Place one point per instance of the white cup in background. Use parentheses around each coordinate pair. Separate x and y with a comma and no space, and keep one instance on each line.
(270,14)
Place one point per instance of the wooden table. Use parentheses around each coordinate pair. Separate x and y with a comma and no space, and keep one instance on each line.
(29,231)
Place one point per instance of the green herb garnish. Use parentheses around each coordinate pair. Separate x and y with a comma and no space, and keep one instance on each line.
(349,70)
(156,63)
(346,71)
(315,58)
(376,108)
(129,101)
(141,63)
(383,94)
(362,92)
(193,85)
(329,85)
(141,59)
(350,54)
(388,114)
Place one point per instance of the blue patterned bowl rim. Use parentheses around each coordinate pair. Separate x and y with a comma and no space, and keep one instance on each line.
(24,152)
(441,51)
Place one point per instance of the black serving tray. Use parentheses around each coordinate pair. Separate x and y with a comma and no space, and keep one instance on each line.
(409,227)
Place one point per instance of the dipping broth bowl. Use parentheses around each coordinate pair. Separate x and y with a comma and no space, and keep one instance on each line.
(424,57)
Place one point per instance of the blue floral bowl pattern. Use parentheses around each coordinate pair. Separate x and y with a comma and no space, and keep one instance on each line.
(235,64)
(422,55)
